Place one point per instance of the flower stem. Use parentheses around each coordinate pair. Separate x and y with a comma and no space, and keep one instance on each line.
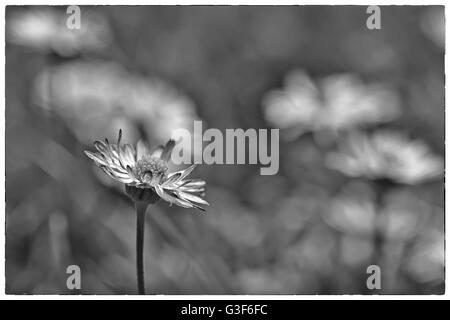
(140,228)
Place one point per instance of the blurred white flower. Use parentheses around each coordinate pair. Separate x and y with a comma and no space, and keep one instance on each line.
(46,30)
(404,215)
(427,261)
(97,98)
(336,102)
(169,108)
(353,211)
(296,104)
(432,23)
(386,155)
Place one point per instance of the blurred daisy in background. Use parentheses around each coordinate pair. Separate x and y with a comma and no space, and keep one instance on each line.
(426,263)
(386,155)
(45,29)
(352,215)
(432,24)
(297,104)
(97,98)
(334,103)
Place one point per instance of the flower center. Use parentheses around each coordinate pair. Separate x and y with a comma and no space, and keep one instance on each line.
(150,170)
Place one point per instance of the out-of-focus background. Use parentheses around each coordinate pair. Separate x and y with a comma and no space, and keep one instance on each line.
(361,118)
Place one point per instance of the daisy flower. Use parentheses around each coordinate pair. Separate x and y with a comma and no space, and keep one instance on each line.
(145,173)
(386,155)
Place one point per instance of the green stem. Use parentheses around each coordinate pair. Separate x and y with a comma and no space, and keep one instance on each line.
(140,228)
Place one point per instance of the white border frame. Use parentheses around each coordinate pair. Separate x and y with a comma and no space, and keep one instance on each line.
(446,296)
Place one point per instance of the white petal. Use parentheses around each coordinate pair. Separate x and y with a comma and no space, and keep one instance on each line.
(128,156)
(191,197)
(141,149)
(171,199)
(187,171)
